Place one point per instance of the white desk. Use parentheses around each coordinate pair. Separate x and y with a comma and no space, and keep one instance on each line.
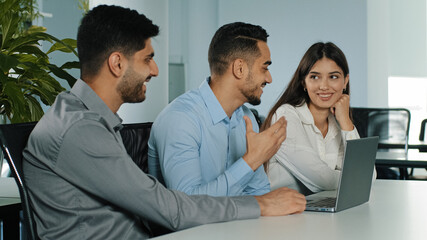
(396,210)
(9,193)
(8,188)
(413,159)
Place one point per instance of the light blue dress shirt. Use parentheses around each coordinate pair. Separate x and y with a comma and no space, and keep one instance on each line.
(196,148)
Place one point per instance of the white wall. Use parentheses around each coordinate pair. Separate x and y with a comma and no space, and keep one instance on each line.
(378,52)
(296,25)
(408,46)
(293,27)
(380,38)
(62,18)
(397,44)
(157,88)
(192,25)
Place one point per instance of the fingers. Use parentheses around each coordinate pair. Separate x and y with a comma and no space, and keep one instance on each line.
(248,122)
(281,131)
(278,127)
(277,133)
(282,201)
(260,147)
(296,202)
(344,100)
(342,113)
(282,136)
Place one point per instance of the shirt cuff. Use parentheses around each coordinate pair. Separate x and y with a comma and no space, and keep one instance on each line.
(348,135)
(247,207)
(241,172)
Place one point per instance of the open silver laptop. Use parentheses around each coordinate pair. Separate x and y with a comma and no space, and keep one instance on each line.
(354,187)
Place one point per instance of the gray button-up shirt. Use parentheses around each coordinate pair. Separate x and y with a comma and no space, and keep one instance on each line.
(83,185)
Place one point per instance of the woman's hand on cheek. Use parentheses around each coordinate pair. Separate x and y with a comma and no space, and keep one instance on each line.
(341,110)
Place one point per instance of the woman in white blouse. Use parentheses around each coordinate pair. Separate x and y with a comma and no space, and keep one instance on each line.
(316,105)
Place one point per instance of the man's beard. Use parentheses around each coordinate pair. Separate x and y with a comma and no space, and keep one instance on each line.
(131,87)
(250,95)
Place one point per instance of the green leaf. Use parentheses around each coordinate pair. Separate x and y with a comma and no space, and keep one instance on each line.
(46,96)
(47,82)
(71,65)
(30,39)
(9,26)
(7,5)
(23,58)
(31,49)
(27,77)
(3,78)
(62,74)
(17,101)
(35,108)
(7,62)
(66,45)
(36,29)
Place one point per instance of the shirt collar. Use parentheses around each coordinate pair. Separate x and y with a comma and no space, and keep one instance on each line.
(305,114)
(307,118)
(215,109)
(94,103)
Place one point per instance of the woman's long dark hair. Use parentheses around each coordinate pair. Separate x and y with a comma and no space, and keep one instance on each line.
(294,93)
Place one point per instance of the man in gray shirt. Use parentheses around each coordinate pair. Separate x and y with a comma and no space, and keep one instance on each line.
(82,183)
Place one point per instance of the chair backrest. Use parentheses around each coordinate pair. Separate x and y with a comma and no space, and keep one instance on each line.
(423,129)
(259,119)
(13,138)
(390,124)
(135,138)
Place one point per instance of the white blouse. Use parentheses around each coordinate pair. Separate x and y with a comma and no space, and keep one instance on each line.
(306,160)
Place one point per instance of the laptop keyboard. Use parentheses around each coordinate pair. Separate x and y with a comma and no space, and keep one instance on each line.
(326,202)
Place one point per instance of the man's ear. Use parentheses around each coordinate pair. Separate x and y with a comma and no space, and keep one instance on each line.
(116,63)
(239,68)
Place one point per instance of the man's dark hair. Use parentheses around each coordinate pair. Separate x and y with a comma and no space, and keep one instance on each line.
(233,41)
(106,29)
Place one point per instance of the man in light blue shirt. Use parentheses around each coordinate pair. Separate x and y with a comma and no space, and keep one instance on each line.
(198,143)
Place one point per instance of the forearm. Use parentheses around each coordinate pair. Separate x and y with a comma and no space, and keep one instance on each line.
(308,168)
(191,180)
(203,209)
(259,184)
(176,210)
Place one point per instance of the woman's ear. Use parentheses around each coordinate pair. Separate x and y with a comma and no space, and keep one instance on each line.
(303,85)
(115,63)
(346,80)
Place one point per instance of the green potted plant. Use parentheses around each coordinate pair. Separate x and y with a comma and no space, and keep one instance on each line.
(26,74)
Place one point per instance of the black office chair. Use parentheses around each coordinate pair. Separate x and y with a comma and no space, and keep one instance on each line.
(259,118)
(135,138)
(13,138)
(423,132)
(391,125)
(422,149)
